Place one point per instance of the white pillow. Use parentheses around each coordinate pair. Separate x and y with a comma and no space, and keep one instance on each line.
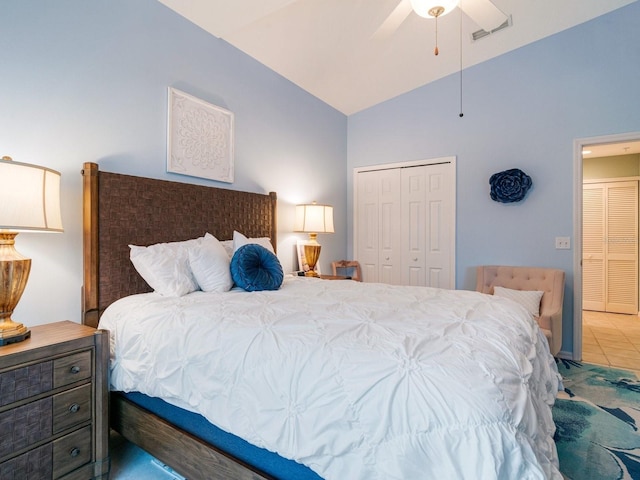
(210,265)
(165,266)
(228,247)
(529,299)
(239,240)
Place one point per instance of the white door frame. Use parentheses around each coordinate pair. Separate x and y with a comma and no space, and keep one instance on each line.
(415,163)
(578,145)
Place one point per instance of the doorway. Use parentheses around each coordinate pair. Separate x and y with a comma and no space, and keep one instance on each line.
(602,334)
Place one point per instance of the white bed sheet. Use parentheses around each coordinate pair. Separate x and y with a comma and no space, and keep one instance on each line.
(356,381)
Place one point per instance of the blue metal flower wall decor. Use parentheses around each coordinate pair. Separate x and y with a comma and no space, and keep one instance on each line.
(510,185)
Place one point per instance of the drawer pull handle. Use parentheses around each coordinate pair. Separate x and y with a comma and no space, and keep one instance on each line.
(75,369)
(74,408)
(74,452)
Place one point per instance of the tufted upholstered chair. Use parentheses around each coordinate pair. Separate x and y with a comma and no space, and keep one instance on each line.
(548,280)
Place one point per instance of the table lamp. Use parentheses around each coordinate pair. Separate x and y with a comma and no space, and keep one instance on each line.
(29,202)
(312,218)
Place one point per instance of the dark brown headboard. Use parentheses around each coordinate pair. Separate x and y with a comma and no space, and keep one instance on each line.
(119,210)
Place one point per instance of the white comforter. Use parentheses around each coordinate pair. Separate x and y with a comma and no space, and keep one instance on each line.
(356,381)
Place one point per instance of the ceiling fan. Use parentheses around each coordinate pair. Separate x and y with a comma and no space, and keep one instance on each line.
(482,12)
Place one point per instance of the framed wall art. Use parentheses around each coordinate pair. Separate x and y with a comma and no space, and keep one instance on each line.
(199,138)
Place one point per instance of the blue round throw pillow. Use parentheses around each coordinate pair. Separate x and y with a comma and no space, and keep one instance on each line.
(254,268)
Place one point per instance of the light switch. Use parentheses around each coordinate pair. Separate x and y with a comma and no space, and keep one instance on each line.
(563,243)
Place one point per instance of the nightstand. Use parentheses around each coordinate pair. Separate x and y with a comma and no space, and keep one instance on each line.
(54,404)
(334,277)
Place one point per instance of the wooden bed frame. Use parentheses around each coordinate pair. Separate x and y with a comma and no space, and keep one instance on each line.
(119,210)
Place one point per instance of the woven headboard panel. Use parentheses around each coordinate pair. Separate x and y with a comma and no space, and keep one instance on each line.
(122,209)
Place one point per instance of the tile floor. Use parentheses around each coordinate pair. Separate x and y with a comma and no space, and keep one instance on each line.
(611,339)
(129,462)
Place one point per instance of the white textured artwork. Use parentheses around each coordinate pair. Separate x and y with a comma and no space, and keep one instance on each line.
(199,138)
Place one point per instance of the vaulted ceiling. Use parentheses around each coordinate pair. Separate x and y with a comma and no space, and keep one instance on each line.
(334,50)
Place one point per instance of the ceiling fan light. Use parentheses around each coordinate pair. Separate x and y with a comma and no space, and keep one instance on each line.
(423,7)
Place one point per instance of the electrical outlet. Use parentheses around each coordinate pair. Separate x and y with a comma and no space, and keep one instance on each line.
(563,243)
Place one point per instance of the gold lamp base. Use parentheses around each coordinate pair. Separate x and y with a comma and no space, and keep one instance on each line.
(14,273)
(312,254)
(12,332)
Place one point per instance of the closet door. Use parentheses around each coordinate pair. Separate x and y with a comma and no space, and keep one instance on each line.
(390,223)
(404,220)
(621,247)
(378,225)
(593,234)
(610,247)
(367,221)
(427,233)
(414,226)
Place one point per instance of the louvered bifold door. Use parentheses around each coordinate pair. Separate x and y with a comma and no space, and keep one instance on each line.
(621,247)
(593,235)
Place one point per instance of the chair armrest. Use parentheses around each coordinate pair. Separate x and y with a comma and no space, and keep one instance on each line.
(553,321)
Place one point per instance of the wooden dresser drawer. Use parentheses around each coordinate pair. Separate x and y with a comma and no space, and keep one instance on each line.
(71,408)
(51,460)
(71,451)
(25,382)
(33,422)
(71,369)
(24,426)
(33,465)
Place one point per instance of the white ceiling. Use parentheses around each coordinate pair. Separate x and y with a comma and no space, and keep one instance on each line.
(328,47)
(611,149)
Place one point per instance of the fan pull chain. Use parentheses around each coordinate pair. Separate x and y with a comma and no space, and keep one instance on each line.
(436,12)
(435,51)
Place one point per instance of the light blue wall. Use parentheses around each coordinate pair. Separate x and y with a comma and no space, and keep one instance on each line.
(87,81)
(523,109)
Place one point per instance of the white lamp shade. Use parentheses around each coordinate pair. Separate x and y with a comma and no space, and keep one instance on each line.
(422,7)
(314,218)
(29,198)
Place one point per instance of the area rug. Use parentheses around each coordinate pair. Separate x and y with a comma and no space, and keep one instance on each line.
(597,419)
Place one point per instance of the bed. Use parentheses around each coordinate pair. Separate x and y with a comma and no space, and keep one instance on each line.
(318,379)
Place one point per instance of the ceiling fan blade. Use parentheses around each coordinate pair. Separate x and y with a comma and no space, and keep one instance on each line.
(484,13)
(394,20)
